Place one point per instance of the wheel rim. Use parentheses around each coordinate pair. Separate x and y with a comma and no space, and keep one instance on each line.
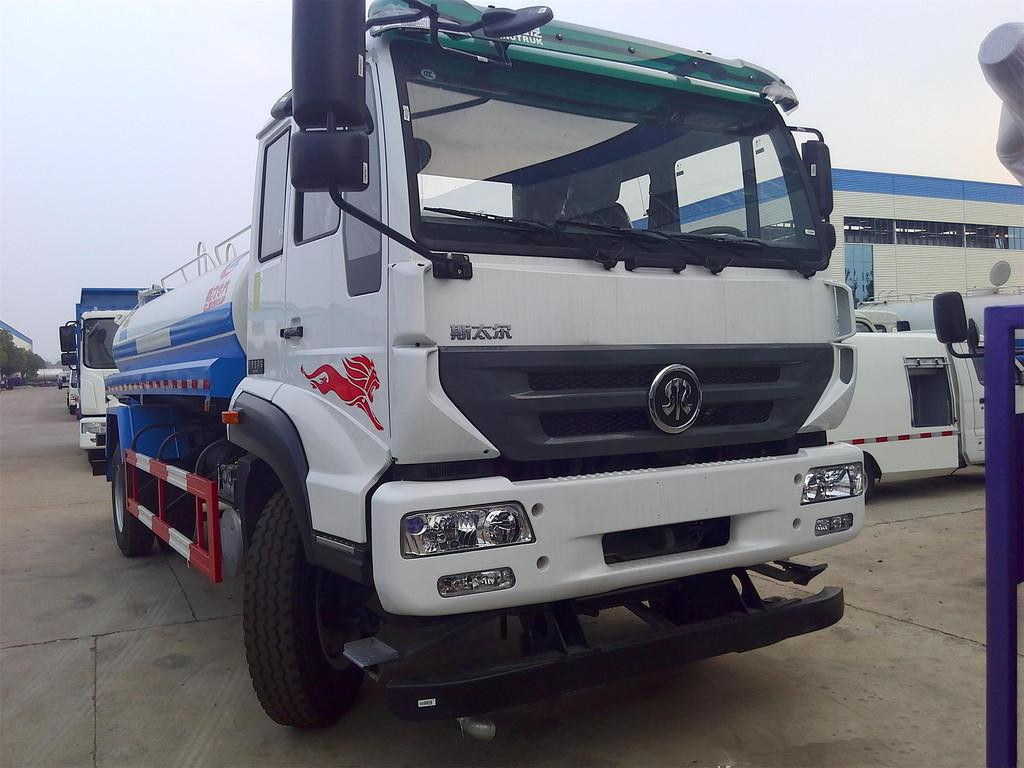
(337,622)
(119,497)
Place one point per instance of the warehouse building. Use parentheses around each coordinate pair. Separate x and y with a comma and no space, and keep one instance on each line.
(20,339)
(904,237)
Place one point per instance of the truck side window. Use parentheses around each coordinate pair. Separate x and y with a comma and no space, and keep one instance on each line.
(979,368)
(635,198)
(316,216)
(709,185)
(772,193)
(275,177)
(362,243)
(931,403)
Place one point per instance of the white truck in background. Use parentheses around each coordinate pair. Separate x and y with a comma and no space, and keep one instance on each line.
(95,366)
(86,345)
(72,393)
(407,421)
(916,411)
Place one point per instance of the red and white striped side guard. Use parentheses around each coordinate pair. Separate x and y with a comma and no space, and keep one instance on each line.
(898,438)
(203,553)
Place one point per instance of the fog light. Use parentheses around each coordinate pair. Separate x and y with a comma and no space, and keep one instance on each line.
(833,524)
(476,581)
(453,530)
(839,481)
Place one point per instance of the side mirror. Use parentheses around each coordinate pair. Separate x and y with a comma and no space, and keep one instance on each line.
(328,55)
(950,317)
(324,160)
(68,338)
(818,162)
(504,22)
(70,359)
(329,94)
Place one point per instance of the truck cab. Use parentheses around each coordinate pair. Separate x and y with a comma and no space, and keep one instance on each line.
(95,364)
(557,344)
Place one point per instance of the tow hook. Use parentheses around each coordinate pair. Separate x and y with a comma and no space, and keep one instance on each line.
(481,728)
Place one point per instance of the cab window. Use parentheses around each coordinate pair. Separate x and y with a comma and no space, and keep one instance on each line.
(275,179)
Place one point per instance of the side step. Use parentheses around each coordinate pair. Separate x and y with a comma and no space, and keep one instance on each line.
(203,553)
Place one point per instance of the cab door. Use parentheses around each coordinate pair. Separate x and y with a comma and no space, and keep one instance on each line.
(267,272)
(335,313)
(969,382)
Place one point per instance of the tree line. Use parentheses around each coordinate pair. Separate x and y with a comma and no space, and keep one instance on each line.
(14,360)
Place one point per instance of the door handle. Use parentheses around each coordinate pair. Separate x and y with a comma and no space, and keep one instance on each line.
(981,400)
(293,332)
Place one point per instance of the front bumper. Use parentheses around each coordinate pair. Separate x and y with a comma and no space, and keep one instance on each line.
(761,496)
(92,440)
(487,688)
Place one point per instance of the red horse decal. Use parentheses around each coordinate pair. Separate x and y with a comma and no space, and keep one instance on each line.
(356,389)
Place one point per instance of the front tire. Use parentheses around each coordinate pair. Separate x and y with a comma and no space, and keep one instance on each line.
(295,622)
(133,537)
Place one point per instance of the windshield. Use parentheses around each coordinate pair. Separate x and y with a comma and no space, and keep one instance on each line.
(98,342)
(551,145)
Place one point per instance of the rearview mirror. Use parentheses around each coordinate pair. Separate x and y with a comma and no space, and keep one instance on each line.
(504,22)
(331,150)
(70,359)
(68,338)
(950,317)
(328,53)
(818,162)
(324,160)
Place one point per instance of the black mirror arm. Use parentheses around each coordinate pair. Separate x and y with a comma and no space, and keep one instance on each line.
(448,266)
(421,10)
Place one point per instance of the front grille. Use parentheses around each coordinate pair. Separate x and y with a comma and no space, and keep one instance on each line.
(636,420)
(544,403)
(559,381)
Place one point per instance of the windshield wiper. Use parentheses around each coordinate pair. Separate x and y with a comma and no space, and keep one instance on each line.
(493,218)
(742,245)
(606,257)
(634,261)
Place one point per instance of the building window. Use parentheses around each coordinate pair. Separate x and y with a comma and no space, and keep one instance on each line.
(987,236)
(1017,238)
(860,270)
(859,229)
(947,233)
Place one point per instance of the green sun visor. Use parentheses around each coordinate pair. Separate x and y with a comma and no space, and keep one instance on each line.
(596,51)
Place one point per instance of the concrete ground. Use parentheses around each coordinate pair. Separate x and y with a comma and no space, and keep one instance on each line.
(116,662)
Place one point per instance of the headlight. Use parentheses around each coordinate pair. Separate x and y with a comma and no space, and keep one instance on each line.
(94,427)
(455,530)
(840,481)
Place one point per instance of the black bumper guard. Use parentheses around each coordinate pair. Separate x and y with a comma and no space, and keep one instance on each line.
(571,663)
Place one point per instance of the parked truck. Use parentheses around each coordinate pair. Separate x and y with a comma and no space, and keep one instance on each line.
(917,411)
(532,328)
(72,393)
(86,345)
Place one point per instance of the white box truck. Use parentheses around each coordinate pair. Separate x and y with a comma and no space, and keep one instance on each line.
(532,328)
(916,411)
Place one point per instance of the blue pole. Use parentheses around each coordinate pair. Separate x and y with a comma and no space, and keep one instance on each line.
(1004,504)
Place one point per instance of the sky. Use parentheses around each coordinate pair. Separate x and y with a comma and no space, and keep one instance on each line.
(128,126)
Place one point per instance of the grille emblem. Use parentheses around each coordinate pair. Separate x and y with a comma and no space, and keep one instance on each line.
(674,399)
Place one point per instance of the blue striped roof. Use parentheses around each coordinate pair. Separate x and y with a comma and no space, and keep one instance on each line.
(15,332)
(926,186)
